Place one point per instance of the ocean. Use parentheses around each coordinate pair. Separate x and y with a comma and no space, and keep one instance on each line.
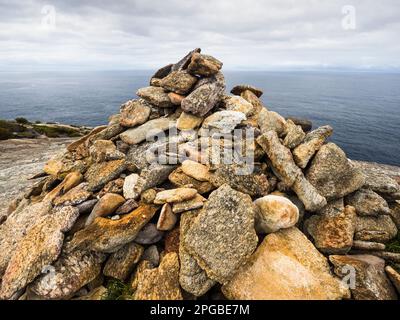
(363,108)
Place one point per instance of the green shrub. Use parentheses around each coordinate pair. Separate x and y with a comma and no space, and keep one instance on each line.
(21,120)
(394,245)
(56,132)
(117,290)
(5,134)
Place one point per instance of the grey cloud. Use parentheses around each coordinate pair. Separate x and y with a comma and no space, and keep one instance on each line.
(250,34)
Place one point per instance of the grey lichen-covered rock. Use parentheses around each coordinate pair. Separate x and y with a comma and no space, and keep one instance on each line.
(134,113)
(195,203)
(120,264)
(333,229)
(223,121)
(106,235)
(179,179)
(146,131)
(294,135)
(288,172)
(252,183)
(379,229)
(101,173)
(75,196)
(286,266)
(371,282)
(368,203)
(70,272)
(207,93)
(161,283)
(105,150)
(222,236)
(368,246)
(39,248)
(15,228)
(149,235)
(237,103)
(185,61)
(332,174)
(192,278)
(204,65)
(239,89)
(179,82)
(312,142)
(156,96)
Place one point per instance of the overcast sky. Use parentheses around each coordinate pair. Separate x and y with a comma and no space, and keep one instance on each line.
(244,34)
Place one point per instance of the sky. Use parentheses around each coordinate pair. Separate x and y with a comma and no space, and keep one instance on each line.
(244,34)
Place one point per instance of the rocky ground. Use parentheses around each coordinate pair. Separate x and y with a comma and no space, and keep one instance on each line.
(22,159)
(191,193)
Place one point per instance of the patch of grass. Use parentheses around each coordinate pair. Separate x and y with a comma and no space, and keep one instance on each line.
(21,120)
(117,290)
(56,132)
(394,245)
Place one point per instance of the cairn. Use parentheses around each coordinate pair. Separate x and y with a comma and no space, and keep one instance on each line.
(189,192)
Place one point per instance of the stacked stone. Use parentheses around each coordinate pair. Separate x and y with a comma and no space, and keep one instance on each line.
(189,227)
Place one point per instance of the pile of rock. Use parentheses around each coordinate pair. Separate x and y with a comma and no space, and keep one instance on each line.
(153,200)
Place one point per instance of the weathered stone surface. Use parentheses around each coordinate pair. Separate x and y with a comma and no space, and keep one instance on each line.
(187,121)
(161,283)
(270,120)
(185,61)
(74,197)
(171,240)
(312,143)
(286,266)
(106,235)
(294,135)
(39,248)
(175,195)
(367,245)
(149,234)
(332,174)
(196,170)
(239,104)
(87,206)
(205,96)
(95,294)
(371,282)
(148,196)
(204,65)
(101,173)
(191,204)
(156,96)
(114,186)
(152,176)
(252,183)
(127,207)
(105,206)
(180,82)
(378,179)
(62,165)
(147,130)
(368,203)
(238,90)
(333,230)
(120,264)
(176,99)
(70,181)
(71,272)
(305,124)
(275,213)
(280,156)
(134,113)
(378,229)
(254,100)
(167,219)
(129,186)
(395,213)
(105,150)
(15,228)
(222,237)
(151,254)
(287,171)
(192,278)
(162,72)
(180,179)
(223,121)
(108,133)
(394,276)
